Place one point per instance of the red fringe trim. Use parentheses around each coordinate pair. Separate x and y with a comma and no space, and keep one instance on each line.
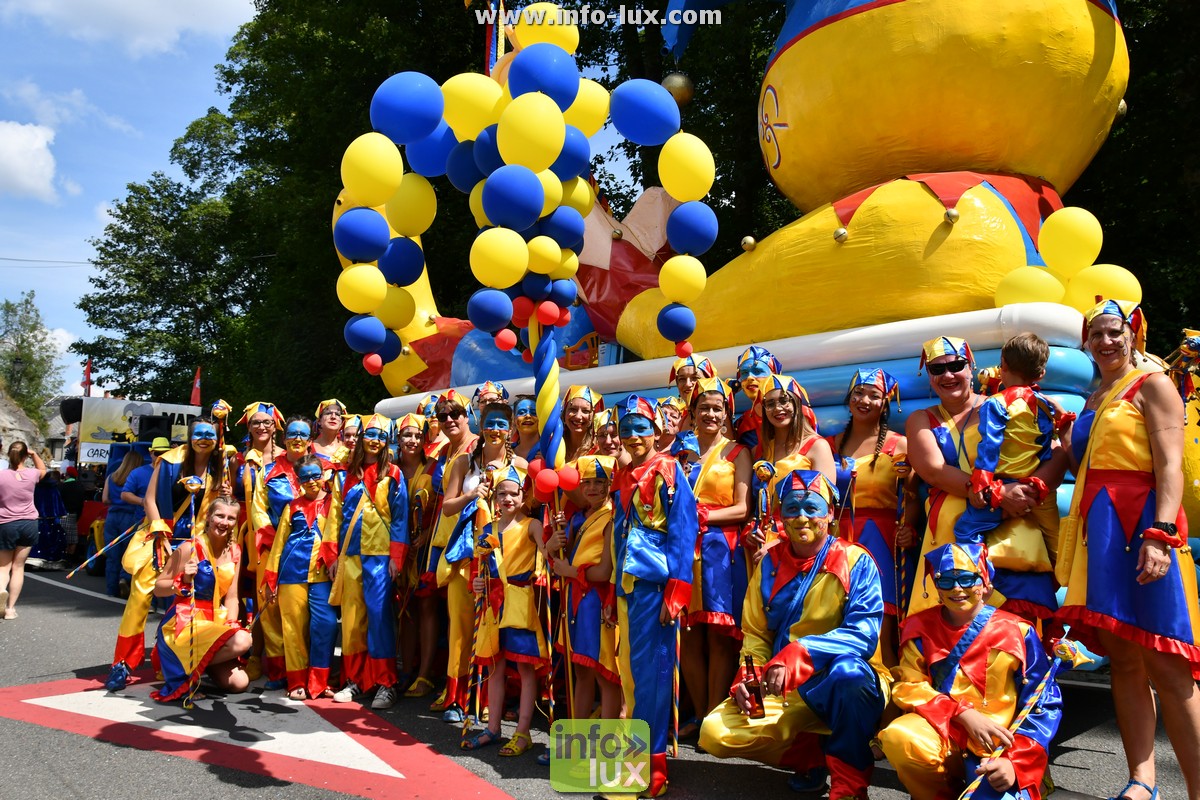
(541,665)
(1028,611)
(197,672)
(723,623)
(1084,622)
(585,661)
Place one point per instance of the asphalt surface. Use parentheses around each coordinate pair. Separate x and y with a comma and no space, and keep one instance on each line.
(63,634)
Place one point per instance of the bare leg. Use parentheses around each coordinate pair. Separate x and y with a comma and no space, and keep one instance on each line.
(6,559)
(610,699)
(528,696)
(410,640)
(1134,704)
(722,666)
(585,691)
(495,686)
(428,612)
(16,578)
(225,668)
(693,665)
(1180,701)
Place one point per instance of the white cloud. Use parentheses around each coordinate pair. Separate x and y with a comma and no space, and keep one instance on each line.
(71,187)
(103,212)
(26,164)
(62,339)
(141,27)
(57,109)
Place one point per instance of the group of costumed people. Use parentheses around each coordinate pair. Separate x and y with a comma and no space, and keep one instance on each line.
(813,603)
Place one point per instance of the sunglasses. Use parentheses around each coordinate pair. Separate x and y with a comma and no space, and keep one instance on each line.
(962,580)
(452,414)
(957,365)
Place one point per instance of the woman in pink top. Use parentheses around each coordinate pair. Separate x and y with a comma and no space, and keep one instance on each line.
(18,522)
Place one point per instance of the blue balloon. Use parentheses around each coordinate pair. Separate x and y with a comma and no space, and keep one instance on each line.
(515,291)
(477,359)
(564,225)
(364,333)
(537,287)
(489,310)
(676,322)
(487,152)
(461,168)
(563,292)
(402,262)
(524,334)
(578,248)
(533,230)
(407,107)
(576,155)
(545,68)
(361,234)
(390,350)
(644,112)
(428,156)
(692,228)
(513,197)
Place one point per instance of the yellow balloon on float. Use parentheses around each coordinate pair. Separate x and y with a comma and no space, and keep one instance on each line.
(471,100)
(499,258)
(589,110)
(686,167)
(361,288)
(531,132)
(410,211)
(1070,239)
(372,169)
(545,22)
(682,279)
(577,194)
(552,189)
(545,255)
(568,265)
(398,308)
(1101,280)
(475,201)
(1029,284)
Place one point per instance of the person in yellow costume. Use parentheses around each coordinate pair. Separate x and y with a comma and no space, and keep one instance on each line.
(686,373)
(1131,583)
(966,671)
(810,629)
(327,438)
(788,435)
(418,620)
(943,442)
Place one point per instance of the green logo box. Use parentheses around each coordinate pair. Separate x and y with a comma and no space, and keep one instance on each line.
(600,755)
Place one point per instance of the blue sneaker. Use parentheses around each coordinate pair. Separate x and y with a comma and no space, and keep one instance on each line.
(271,686)
(454,715)
(809,782)
(118,677)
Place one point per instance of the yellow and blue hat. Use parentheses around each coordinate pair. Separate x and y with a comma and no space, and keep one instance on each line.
(427,407)
(880,380)
(704,367)
(324,404)
(945,346)
(352,421)
(411,420)
(605,418)
(377,421)
(586,393)
(756,353)
(591,467)
(490,387)
(509,473)
(261,408)
(671,401)
(790,385)
(685,442)
(958,557)
(633,405)
(806,480)
(1130,312)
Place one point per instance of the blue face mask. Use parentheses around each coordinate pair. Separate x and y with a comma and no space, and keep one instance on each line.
(635,425)
(496,422)
(526,408)
(374,434)
(806,504)
(309,472)
(298,430)
(754,369)
(204,432)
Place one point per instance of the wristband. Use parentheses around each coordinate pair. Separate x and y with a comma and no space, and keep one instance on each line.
(1039,486)
(1063,421)
(182,588)
(1159,535)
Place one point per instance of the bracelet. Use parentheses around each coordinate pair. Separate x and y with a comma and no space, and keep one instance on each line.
(1159,535)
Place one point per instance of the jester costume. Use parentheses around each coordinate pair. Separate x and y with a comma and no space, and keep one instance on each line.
(268,505)
(753,366)
(189,636)
(654,539)
(993,665)
(1112,510)
(1020,547)
(819,619)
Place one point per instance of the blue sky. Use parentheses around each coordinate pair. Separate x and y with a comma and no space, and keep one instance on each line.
(92,95)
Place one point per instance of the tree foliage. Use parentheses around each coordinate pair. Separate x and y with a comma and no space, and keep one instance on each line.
(28,357)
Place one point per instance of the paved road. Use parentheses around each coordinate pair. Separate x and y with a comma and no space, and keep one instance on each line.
(63,634)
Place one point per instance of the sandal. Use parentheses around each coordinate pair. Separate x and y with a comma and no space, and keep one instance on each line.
(422,687)
(689,729)
(1153,790)
(299,694)
(518,745)
(327,694)
(479,740)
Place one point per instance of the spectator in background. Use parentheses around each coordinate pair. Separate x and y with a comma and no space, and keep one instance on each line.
(122,517)
(71,491)
(18,522)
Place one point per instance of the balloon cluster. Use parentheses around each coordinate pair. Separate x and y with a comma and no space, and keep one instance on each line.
(1069,241)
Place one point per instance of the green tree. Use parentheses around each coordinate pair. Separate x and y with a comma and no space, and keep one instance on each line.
(28,357)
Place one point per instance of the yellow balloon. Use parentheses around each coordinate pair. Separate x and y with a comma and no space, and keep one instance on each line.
(682,279)
(1101,280)
(398,308)
(1070,240)
(471,100)
(552,188)
(577,194)
(499,258)
(411,210)
(568,265)
(531,132)
(362,288)
(544,255)
(546,22)
(372,169)
(475,201)
(1029,284)
(589,109)
(686,167)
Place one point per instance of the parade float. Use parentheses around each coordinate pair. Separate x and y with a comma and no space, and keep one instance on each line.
(927,145)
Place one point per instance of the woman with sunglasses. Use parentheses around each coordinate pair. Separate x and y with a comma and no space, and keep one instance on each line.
(754,366)
(364,547)
(713,625)
(202,460)
(1131,588)
(942,445)
(330,418)
(419,619)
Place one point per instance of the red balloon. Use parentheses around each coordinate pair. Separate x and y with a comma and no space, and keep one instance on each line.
(506,339)
(527,356)
(564,318)
(568,478)
(372,363)
(543,497)
(522,307)
(520,322)
(683,349)
(547,312)
(535,466)
(546,481)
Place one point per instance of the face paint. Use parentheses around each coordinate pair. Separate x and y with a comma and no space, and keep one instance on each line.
(632,425)
(373,434)
(525,408)
(808,504)
(496,422)
(754,369)
(298,430)
(204,432)
(309,472)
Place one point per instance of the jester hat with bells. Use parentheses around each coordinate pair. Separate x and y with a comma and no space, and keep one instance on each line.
(324,404)
(945,346)
(880,380)
(262,408)
(490,387)
(580,392)
(1128,311)
(593,467)
(633,405)
(957,557)
(790,385)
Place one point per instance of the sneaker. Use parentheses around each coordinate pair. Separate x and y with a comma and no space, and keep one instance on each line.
(118,677)
(454,715)
(348,694)
(384,698)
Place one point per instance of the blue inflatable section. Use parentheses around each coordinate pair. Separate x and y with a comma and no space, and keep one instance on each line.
(477,359)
